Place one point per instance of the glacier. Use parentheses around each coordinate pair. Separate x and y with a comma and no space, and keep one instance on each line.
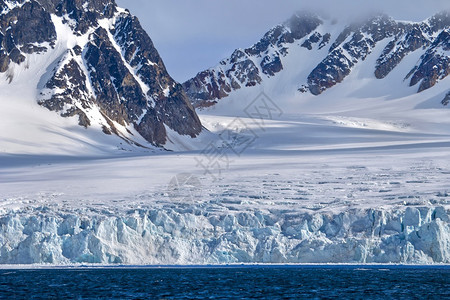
(160,237)
(364,191)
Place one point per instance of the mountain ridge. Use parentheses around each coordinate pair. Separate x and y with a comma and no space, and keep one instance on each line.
(107,71)
(346,48)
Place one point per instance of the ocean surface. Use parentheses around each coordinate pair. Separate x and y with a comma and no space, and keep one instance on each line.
(237,282)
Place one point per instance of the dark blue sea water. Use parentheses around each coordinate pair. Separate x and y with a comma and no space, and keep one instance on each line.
(260,282)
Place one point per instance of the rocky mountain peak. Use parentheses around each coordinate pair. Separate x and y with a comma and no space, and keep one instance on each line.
(110,76)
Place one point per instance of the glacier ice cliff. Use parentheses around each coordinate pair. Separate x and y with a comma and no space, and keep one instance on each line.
(171,236)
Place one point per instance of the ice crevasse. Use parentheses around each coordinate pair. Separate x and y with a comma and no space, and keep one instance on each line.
(171,236)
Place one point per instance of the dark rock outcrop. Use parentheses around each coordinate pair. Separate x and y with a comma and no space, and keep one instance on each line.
(434,64)
(171,105)
(413,36)
(351,46)
(72,81)
(412,39)
(446,99)
(111,81)
(406,38)
(21,28)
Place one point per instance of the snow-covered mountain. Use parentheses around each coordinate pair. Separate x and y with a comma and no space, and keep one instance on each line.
(340,160)
(315,54)
(92,61)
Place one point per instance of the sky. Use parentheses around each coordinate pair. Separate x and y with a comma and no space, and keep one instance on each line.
(193,35)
